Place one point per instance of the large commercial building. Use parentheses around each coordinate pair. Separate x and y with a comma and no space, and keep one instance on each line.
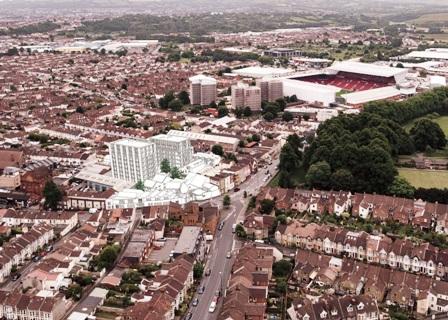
(139,160)
(271,89)
(244,95)
(132,160)
(202,90)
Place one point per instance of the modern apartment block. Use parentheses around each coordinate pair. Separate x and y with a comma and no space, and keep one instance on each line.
(133,160)
(202,90)
(244,95)
(271,89)
(177,150)
(139,160)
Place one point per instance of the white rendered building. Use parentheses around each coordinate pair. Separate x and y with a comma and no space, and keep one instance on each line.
(177,150)
(132,160)
(139,160)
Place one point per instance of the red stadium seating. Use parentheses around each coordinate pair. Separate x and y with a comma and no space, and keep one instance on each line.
(350,81)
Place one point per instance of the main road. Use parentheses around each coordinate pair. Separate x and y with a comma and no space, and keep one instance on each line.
(225,242)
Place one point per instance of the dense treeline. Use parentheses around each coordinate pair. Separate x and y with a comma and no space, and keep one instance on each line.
(357,152)
(432,195)
(200,24)
(41,27)
(415,107)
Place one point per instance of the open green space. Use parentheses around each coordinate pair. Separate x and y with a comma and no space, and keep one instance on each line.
(425,178)
(298,178)
(430,18)
(442,121)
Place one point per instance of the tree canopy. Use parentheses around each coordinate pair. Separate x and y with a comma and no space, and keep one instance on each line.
(53,195)
(426,133)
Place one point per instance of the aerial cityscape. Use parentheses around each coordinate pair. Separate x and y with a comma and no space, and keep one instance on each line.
(223,160)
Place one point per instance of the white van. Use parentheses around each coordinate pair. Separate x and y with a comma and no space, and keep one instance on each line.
(212,307)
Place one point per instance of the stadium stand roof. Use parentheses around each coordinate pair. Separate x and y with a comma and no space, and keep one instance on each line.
(356,98)
(367,69)
(429,54)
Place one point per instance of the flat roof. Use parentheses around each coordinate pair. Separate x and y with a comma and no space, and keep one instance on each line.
(187,240)
(371,95)
(200,78)
(131,142)
(429,54)
(367,69)
(166,137)
(260,72)
(204,136)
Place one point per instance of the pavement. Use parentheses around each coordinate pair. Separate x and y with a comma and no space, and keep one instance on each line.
(225,241)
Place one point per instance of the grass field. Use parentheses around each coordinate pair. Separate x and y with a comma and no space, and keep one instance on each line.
(425,178)
(437,36)
(428,18)
(442,121)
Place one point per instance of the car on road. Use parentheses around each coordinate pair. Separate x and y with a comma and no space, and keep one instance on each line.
(36,258)
(221,226)
(212,307)
(188,316)
(201,290)
(15,276)
(208,272)
(195,302)
(236,189)
(229,255)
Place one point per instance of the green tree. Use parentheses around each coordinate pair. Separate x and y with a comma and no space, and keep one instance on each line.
(400,187)
(282,268)
(74,291)
(175,173)
(287,116)
(222,111)
(218,150)
(426,133)
(107,257)
(247,112)
(184,97)
(281,286)
(266,206)
(140,185)
(165,166)
(175,105)
(226,201)
(268,116)
(342,179)
(166,99)
(318,175)
(131,277)
(240,232)
(198,270)
(52,195)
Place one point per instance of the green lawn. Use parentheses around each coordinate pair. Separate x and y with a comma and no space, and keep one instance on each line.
(441,120)
(298,178)
(425,178)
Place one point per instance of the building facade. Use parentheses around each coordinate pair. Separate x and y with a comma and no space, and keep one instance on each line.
(202,90)
(177,150)
(271,89)
(132,160)
(246,96)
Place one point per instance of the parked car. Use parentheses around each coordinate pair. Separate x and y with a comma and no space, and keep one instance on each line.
(208,272)
(201,290)
(15,276)
(229,255)
(221,226)
(212,307)
(236,189)
(188,316)
(195,302)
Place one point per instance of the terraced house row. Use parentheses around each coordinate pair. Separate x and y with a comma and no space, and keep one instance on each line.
(18,249)
(347,276)
(400,254)
(421,214)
